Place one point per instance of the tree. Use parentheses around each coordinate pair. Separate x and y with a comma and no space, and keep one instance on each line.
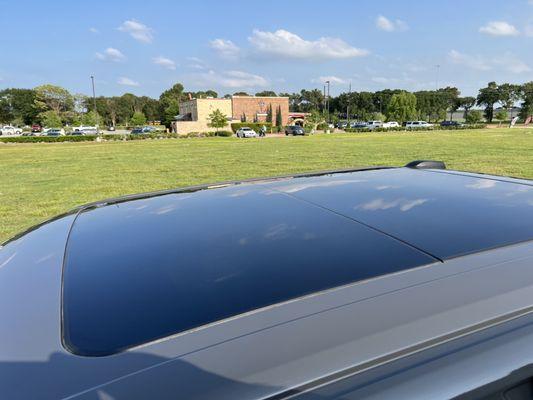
(488,97)
(314,119)
(54,98)
(243,117)
(501,115)
(402,107)
(91,119)
(509,94)
(526,108)
(266,93)
(169,103)
(474,117)
(269,114)
(466,104)
(311,100)
(217,119)
(18,104)
(279,119)
(241,94)
(51,119)
(138,119)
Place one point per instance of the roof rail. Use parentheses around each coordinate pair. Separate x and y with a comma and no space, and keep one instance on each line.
(426,164)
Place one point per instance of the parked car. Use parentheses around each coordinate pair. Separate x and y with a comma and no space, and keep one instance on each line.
(55,132)
(342,125)
(451,124)
(10,130)
(138,131)
(149,129)
(418,125)
(111,128)
(314,286)
(89,131)
(391,124)
(294,130)
(246,132)
(374,124)
(358,125)
(36,128)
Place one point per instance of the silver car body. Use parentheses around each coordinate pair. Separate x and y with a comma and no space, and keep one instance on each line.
(387,337)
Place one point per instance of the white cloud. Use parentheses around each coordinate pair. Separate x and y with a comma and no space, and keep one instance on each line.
(111,54)
(499,28)
(331,79)
(164,62)
(474,62)
(225,48)
(231,79)
(285,44)
(196,63)
(388,25)
(94,30)
(507,62)
(127,81)
(137,30)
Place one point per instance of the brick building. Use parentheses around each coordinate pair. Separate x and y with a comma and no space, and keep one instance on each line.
(256,108)
(194,113)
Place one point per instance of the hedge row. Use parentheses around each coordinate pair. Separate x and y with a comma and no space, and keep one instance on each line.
(40,139)
(404,129)
(108,137)
(256,126)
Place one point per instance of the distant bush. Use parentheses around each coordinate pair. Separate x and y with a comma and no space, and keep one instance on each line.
(404,129)
(256,126)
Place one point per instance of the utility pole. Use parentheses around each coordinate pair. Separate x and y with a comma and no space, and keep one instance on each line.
(94,106)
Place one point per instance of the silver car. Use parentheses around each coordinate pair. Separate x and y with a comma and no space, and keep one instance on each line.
(381,283)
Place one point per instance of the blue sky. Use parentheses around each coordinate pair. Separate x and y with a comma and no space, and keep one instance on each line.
(144,47)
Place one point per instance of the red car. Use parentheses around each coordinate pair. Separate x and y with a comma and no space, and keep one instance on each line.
(36,128)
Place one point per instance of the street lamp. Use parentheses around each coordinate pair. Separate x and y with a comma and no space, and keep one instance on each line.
(94,106)
(327,102)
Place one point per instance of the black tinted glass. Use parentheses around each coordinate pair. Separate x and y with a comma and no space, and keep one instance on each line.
(145,269)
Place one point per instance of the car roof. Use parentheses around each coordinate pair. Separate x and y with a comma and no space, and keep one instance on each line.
(235,242)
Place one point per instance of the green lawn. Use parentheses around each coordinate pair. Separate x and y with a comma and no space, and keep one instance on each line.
(39,181)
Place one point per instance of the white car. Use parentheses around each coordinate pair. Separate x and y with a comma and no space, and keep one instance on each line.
(374,124)
(391,124)
(246,132)
(10,130)
(418,124)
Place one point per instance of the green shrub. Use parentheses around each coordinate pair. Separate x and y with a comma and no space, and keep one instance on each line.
(224,133)
(256,126)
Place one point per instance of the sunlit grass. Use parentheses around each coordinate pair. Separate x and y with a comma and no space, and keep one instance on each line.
(39,181)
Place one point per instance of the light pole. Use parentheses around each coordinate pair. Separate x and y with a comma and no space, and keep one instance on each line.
(94,106)
(327,102)
(348,104)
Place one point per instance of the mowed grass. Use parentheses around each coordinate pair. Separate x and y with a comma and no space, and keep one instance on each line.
(39,181)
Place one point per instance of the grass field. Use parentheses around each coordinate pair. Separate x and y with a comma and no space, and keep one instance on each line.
(39,181)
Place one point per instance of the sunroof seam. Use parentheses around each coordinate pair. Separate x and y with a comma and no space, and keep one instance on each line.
(356,221)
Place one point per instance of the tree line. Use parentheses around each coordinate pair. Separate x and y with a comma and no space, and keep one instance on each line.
(52,105)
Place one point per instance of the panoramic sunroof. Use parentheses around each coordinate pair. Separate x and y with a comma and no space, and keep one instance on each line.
(145,269)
